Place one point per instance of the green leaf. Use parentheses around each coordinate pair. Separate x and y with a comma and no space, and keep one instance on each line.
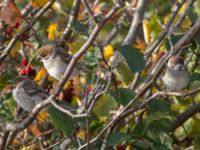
(154,124)
(195,133)
(197,142)
(81,28)
(117,138)
(153,131)
(191,14)
(61,120)
(124,73)
(7,105)
(104,105)
(197,39)
(138,130)
(158,105)
(143,145)
(195,76)
(133,58)
(161,147)
(157,122)
(124,97)
(157,126)
(175,38)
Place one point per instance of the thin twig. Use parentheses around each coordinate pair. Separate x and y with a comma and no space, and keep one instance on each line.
(136,23)
(19,126)
(150,50)
(111,35)
(90,12)
(183,15)
(73,16)
(152,77)
(25,29)
(67,111)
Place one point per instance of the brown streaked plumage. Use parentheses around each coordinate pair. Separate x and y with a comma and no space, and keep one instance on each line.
(176,75)
(176,60)
(27,93)
(46,50)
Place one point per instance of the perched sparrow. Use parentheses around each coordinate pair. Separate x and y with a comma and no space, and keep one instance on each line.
(55,61)
(176,76)
(27,93)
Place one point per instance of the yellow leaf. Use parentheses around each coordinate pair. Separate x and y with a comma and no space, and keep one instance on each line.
(108,51)
(34,130)
(156,56)
(140,45)
(81,134)
(39,3)
(11,14)
(40,75)
(42,116)
(129,147)
(15,49)
(16,142)
(146,30)
(30,147)
(53,32)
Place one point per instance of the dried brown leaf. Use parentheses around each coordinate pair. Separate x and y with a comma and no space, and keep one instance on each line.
(10,14)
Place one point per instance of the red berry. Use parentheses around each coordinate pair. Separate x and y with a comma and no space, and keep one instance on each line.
(29,70)
(24,36)
(22,71)
(24,62)
(16,25)
(8,31)
(26,71)
(120,147)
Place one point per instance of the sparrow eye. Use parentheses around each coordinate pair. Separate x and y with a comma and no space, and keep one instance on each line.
(173,66)
(179,67)
(45,57)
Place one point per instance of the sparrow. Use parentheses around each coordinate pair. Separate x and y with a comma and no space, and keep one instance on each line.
(27,93)
(56,60)
(176,75)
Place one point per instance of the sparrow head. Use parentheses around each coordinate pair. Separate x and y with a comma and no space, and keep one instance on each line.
(46,52)
(19,79)
(176,63)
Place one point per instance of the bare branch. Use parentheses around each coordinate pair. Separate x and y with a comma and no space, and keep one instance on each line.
(67,111)
(183,15)
(73,16)
(121,114)
(19,126)
(136,23)
(164,33)
(90,12)
(185,116)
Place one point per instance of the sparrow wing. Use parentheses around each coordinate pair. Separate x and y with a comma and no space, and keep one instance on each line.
(64,56)
(34,90)
(67,58)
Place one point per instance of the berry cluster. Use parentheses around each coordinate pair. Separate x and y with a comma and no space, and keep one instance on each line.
(10,30)
(26,68)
